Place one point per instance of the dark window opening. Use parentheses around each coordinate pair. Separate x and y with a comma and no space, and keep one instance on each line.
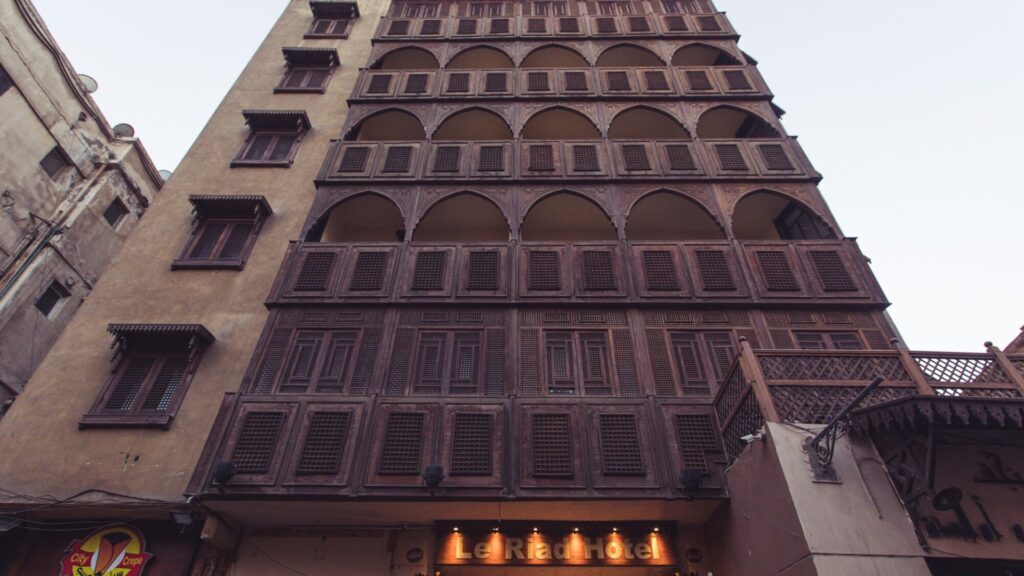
(49,303)
(329,28)
(115,212)
(5,82)
(311,79)
(54,163)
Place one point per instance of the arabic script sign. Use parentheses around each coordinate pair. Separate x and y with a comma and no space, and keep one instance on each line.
(119,551)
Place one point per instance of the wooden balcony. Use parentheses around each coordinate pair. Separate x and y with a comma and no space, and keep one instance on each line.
(718,82)
(769,158)
(570,26)
(697,271)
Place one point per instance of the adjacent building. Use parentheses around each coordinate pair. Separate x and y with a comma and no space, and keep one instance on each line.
(554,291)
(71,192)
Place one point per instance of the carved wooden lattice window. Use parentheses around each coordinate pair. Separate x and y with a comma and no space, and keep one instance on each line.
(714,270)
(730,158)
(492,159)
(380,84)
(323,361)
(638,24)
(676,24)
(541,157)
(737,80)
(398,28)
(536,26)
(219,242)
(483,271)
(496,82)
(466,26)
(828,341)
(634,157)
(446,158)
(416,84)
(618,81)
(561,364)
(354,159)
(544,270)
(450,363)
(660,271)
(680,158)
(537,82)
(429,271)
(500,26)
(582,361)
(315,272)
(595,363)
(552,446)
(403,444)
(598,271)
(368,272)
(398,159)
(568,25)
(472,444)
(620,445)
(709,24)
(775,158)
(585,158)
(324,444)
(797,223)
(458,82)
(575,81)
(656,80)
(776,271)
(256,442)
(606,26)
(696,437)
(702,360)
(831,271)
(430,27)
(698,81)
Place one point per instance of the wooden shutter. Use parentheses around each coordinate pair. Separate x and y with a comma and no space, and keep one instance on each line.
(237,238)
(846,341)
(416,84)
(698,81)
(696,437)
(656,80)
(660,271)
(831,271)
(596,365)
(466,365)
(483,270)
(366,361)
(166,384)
(776,271)
(446,158)
(337,360)
(529,363)
(398,368)
(537,82)
(536,26)
(380,84)
(122,398)
(209,237)
(458,82)
(620,445)
(634,158)
(737,80)
(500,26)
(316,78)
(258,146)
(431,27)
(561,363)
(686,346)
(680,158)
(606,26)
(625,363)
(811,340)
(282,149)
(552,446)
(354,159)
(403,444)
(430,358)
(466,26)
(661,367)
(775,158)
(575,81)
(429,270)
(568,25)
(708,24)
(398,28)
(302,359)
(541,157)
(256,442)
(492,159)
(598,270)
(618,81)
(585,158)
(721,351)
(472,444)
(324,443)
(713,267)
(368,272)
(496,82)
(496,354)
(266,375)
(397,160)
(676,24)
(730,158)
(544,270)
(315,272)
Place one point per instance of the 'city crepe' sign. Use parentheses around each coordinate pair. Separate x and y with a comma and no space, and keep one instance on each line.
(573,546)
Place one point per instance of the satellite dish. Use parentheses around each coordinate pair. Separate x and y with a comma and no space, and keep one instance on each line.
(90,84)
(166,175)
(124,130)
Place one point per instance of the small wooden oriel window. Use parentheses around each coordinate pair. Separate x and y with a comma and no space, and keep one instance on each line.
(308,69)
(152,367)
(224,233)
(274,138)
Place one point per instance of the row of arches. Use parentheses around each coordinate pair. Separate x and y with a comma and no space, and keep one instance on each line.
(554,56)
(566,216)
(562,123)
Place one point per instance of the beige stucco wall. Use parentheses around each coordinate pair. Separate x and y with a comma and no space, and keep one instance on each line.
(45,453)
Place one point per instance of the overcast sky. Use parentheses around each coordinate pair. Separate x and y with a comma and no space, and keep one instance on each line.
(913,111)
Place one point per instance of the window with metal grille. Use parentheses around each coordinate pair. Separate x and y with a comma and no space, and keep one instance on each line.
(430,27)
(537,82)
(656,80)
(775,157)
(715,274)
(568,26)
(660,271)
(496,82)
(354,159)
(51,298)
(429,270)
(698,80)
(416,84)
(541,157)
(315,272)
(446,158)
(472,444)
(680,158)
(634,157)
(397,159)
(492,159)
(730,158)
(305,79)
(324,445)
(552,446)
(458,82)
(500,26)
(737,80)
(676,24)
(403,443)
(466,27)
(598,271)
(544,270)
(54,163)
(264,148)
(575,81)
(775,270)
(114,212)
(620,445)
(831,271)
(584,158)
(398,28)
(696,438)
(329,28)
(606,26)
(380,84)
(256,442)
(536,26)
(708,24)
(368,272)
(483,271)
(618,81)
(638,24)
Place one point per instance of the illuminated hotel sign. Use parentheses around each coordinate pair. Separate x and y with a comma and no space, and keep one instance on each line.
(546,545)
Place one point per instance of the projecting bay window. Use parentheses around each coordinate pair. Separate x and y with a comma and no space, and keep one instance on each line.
(274,138)
(332,19)
(152,369)
(309,69)
(224,231)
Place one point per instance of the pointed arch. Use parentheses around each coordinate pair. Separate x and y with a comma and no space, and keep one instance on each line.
(732,122)
(479,58)
(703,55)
(473,124)
(628,56)
(666,215)
(770,215)
(566,216)
(644,122)
(554,56)
(463,217)
(407,58)
(365,217)
(559,123)
(388,125)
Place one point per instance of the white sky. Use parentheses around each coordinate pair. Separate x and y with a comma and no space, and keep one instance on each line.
(912,110)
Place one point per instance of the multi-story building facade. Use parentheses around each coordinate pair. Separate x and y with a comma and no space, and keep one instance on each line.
(72,189)
(555,291)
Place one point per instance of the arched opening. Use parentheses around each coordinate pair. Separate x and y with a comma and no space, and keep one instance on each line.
(554,57)
(560,124)
(464,217)
(567,217)
(766,215)
(729,122)
(473,124)
(628,56)
(407,59)
(364,218)
(480,58)
(388,125)
(648,124)
(667,216)
(703,55)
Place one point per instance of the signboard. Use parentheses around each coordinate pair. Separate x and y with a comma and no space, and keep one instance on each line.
(119,551)
(550,545)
